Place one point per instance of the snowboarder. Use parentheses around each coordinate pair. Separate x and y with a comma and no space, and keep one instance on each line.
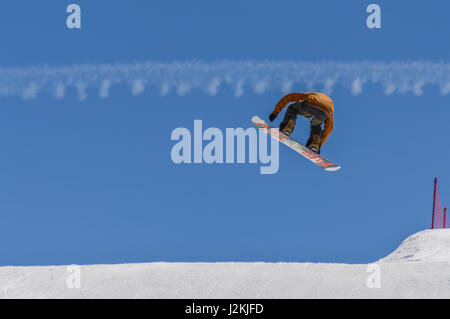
(315,106)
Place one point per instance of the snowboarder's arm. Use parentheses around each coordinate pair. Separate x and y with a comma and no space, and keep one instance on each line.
(292,97)
(327,129)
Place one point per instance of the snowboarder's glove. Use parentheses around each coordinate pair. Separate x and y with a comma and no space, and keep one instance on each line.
(272,116)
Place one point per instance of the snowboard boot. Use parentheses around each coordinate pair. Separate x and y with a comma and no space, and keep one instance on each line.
(314,143)
(287,128)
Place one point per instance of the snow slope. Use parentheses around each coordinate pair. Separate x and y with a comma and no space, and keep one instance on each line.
(431,245)
(419,268)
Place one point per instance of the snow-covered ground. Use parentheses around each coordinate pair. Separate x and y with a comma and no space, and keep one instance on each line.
(419,268)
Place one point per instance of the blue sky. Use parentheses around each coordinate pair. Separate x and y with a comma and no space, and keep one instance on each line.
(91,181)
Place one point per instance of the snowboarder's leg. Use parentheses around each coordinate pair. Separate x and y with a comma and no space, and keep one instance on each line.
(317,117)
(288,124)
(315,137)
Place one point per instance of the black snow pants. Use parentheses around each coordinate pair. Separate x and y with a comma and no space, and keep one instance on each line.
(316,115)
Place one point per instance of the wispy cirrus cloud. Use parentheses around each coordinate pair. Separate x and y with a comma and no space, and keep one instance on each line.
(209,77)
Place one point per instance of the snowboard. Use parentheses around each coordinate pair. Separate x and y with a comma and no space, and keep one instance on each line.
(293,144)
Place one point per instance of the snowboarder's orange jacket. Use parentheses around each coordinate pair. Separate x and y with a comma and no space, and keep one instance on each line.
(317,100)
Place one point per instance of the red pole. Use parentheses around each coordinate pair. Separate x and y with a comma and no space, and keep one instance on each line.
(434,201)
(445,215)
